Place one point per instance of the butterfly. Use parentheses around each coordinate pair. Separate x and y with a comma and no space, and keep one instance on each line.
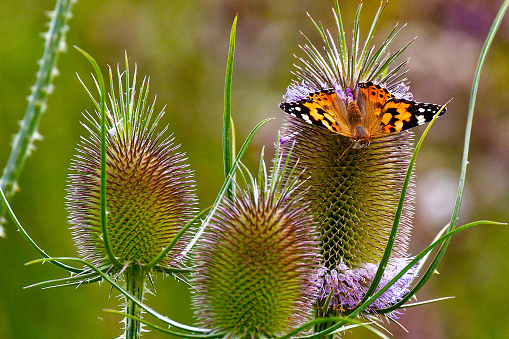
(373,113)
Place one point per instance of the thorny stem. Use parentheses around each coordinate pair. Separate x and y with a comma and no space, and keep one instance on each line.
(135,281)
(22,144)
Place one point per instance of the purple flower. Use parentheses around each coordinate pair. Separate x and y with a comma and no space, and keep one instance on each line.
(351,284)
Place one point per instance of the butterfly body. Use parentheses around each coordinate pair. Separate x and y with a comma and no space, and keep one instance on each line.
(370,112)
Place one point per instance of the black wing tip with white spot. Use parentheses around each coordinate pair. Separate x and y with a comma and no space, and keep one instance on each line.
(429,110)
(423,113)
(288,107)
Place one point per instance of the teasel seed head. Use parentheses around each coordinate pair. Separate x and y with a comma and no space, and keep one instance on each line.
(150,193)
(354,191)
(256,260)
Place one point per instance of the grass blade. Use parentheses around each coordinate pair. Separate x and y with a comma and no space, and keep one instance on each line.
(228,145)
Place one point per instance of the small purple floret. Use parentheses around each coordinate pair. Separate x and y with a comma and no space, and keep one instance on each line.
(350,286)
(349,94)
(284,139)
(297,91)
(401,91)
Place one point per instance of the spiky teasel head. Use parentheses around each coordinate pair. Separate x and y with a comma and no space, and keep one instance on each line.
(149,188)
(255,261)
(354,191)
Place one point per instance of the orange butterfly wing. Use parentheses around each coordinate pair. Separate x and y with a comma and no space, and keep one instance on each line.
(400,114)
(320,108)
(379,112)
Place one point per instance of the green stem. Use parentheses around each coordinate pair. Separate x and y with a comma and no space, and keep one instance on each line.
(323,326)
(134,280)
(22,145)
(325,312)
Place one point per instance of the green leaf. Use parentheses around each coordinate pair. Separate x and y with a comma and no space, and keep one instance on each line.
(394,231)
(426,302)
(473,95)
(228,144)
(373,298)
(173,242)
(162,329)
(68,281)
(321,334)
(102,93)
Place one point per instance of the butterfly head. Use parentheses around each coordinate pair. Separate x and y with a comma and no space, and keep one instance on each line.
(361,136)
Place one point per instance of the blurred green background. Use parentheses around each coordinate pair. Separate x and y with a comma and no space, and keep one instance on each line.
(183,46)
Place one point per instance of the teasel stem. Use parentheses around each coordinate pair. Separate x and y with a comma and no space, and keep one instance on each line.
(135,285)
(23,142)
